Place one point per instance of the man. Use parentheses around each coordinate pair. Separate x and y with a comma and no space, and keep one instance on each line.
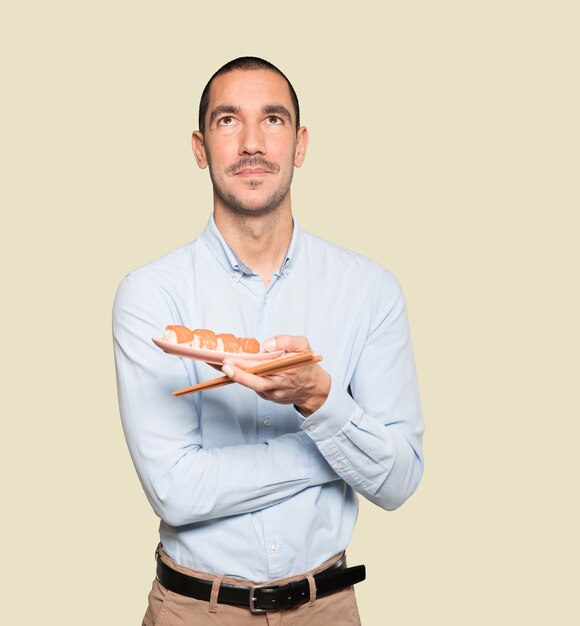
(255,482)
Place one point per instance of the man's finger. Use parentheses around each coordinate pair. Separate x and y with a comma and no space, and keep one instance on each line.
(257,383)
(243,363)
(290,343)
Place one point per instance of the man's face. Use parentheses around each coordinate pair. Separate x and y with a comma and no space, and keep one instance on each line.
(250,141)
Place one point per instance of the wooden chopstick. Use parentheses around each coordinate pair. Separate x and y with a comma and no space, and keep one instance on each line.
(272,367)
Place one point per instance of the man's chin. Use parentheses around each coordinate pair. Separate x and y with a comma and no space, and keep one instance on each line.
(250,210)
(252,207)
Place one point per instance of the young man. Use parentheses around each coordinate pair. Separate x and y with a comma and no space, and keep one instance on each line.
(255,482)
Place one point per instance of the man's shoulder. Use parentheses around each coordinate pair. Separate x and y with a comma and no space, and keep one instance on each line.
(173,264)
(158,284)
(348,262)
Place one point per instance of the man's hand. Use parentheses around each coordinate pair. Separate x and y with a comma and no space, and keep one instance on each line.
(306,387)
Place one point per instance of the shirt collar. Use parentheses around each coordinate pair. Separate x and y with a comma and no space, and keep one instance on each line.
(230,261)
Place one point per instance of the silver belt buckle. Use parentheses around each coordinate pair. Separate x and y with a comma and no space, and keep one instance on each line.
(253,598)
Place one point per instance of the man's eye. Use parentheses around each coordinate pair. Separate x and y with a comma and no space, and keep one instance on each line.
(226,121)
(274,120)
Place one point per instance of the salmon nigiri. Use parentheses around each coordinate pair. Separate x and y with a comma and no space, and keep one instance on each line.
(204,339)
(228,343)
(178,334)
(249,345)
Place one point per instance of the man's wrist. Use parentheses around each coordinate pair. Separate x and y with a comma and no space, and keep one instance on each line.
(317,398)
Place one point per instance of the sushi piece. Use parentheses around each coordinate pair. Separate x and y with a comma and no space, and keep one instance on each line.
(204,339)
(178,334)
(228,343)
(249,345)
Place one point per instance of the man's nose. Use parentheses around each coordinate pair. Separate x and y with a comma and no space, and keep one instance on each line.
(252,140)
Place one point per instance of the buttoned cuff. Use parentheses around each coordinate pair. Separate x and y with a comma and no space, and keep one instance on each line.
(338,409)
(320,470)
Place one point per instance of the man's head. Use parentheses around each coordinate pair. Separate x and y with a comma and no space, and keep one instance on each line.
(248,64)
(250,137)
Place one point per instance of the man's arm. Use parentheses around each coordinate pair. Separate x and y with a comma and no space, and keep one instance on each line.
(184,481)
(370,433)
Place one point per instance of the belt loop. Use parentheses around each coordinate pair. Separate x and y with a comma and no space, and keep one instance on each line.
(215,589)
(312,586)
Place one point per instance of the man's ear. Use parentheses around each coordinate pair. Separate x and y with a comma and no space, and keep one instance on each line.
(301,145)
(198,147)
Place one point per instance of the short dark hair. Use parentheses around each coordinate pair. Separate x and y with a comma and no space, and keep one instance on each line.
(245,63)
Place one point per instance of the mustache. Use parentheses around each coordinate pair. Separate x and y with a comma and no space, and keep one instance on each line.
(252,162)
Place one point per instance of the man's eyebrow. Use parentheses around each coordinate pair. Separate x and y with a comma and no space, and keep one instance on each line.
(277,109)
(223,108)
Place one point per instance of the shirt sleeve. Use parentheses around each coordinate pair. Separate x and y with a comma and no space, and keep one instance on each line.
(371,432)
(184,481)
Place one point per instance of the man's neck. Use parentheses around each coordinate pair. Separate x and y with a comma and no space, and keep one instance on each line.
(261,242)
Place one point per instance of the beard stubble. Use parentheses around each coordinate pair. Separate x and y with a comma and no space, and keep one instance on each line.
(236,204)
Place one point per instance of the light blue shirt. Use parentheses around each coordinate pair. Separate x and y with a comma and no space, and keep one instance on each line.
(243,486)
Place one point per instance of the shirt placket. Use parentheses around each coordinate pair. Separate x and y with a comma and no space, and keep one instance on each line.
(265,412)
(266,430)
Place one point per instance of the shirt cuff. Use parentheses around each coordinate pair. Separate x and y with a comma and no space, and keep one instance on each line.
(338,409)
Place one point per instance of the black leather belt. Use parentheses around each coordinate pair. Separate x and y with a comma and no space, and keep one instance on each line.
(260,598)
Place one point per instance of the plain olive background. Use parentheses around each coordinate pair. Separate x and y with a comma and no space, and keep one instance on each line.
(444,144)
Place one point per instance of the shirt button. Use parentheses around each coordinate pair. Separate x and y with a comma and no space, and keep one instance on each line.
(339,465)
(274,547)
(312,427)
(267,422)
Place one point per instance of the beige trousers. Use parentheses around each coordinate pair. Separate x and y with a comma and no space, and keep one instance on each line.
(170,609)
